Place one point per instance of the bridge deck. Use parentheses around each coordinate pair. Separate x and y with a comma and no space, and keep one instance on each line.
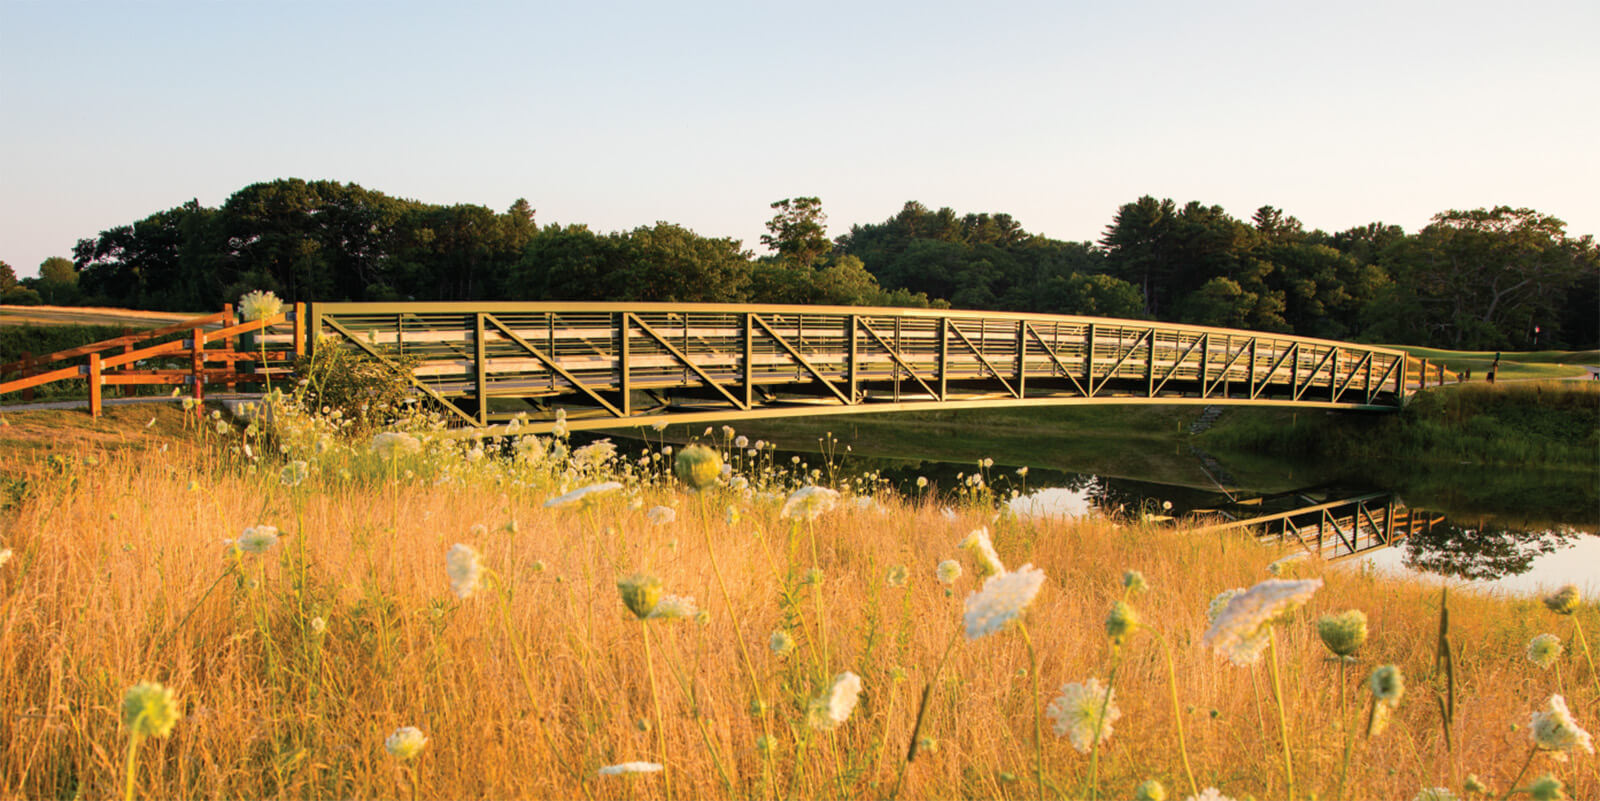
(609,365)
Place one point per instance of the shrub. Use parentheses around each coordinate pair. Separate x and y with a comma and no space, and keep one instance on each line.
(363,389)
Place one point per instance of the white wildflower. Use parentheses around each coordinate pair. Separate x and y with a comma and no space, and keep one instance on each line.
(1076,712)
(630,767)
(1544,649)
(949,570)
(983,554)
(1241,629)
(661,515)
(1001,600)
(393,444)
(673,607)
(259,304)
(1553,728)
(257,539)
(831,709)
(808,502)
(405,743)
(584,495)
(465,568)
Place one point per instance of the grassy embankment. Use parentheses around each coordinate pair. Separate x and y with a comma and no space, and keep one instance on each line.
(530,685)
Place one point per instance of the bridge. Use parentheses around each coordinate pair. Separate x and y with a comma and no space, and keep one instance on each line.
(1328,524)
(612,365)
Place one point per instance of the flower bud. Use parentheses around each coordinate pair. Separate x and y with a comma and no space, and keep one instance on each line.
(698,466)
(640,593)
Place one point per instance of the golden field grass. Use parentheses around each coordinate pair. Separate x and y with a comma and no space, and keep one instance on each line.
(529,686)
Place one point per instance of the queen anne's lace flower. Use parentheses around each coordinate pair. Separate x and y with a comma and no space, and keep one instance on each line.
(465,568)
(258,304)
(1076,712)
(808,502)
(391,444)
(405,743)
(1565,600)
(1553,728)
(949,570)
(661,515)
(630,767)
(257,539)
(780,642)
(1209,794)
(1544,649)
(1001,600)
(983,555)
(583,495)
(673,607)
(830,710)
(1241,630)
(1343,633)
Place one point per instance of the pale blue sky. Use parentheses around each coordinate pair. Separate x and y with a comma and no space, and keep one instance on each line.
(622,114)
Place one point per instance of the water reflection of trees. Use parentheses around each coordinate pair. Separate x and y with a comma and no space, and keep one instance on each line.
(1483,550)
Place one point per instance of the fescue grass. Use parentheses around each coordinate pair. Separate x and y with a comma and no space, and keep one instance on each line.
(528,687)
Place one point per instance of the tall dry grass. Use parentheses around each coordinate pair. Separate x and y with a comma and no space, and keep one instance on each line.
(109,586)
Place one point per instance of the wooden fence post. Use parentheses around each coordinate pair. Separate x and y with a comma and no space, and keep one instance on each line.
(197,371)
(96,403)
(227,345)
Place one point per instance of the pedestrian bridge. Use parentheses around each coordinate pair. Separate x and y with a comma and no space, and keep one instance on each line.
(611,365)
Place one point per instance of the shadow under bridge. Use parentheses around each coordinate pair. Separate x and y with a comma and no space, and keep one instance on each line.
(610,365)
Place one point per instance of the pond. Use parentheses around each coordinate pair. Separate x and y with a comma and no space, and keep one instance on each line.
(1511,530)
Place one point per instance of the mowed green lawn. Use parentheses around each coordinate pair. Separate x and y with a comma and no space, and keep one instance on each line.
(1513,365)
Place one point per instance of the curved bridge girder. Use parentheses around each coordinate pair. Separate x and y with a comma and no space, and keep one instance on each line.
(611,365)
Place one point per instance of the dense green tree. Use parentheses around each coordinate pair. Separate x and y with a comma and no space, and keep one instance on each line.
(1484,279)
(798,232)
(8,277)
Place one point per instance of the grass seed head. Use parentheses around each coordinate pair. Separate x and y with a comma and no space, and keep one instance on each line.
(405,743)
(1344,632)
(149,710)
(698,466)
(640,593)
(1565,600)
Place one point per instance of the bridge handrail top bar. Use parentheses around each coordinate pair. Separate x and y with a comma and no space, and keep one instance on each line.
(614,307)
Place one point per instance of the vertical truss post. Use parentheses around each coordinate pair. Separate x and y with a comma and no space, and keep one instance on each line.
(1400,381)
(853,374)
(624,365)
(747,358)
(1088,360)
(1205,363)
(1022,358)
(1150,364)
(897,319)
(944,358)
(1422,376)
(480,370)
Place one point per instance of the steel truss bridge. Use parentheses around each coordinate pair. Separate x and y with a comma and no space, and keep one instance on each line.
(613,365)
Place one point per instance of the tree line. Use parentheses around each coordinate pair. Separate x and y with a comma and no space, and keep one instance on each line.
(1482,279)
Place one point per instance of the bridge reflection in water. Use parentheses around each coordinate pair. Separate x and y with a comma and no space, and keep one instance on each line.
(610,365)
(1325,523)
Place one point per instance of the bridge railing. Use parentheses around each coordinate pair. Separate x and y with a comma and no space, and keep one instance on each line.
(614,363)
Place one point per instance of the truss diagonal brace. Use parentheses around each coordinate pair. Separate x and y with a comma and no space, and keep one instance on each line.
(895,356)
(630,317)
(1054,358)
(412,379)
(801,359)
(1148,336)
(550,362)
(984,360)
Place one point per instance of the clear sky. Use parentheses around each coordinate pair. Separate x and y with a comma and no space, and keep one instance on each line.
(621,114)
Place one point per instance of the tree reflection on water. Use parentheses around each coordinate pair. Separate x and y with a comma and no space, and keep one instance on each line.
(1484,550)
